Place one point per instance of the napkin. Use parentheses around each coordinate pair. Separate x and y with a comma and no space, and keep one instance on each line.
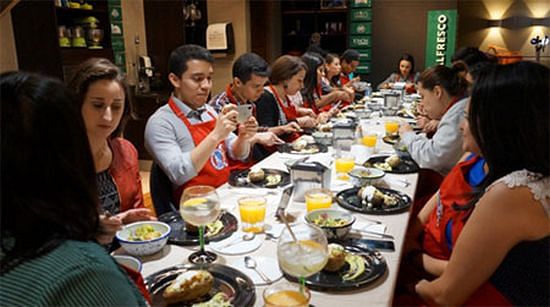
(324,158)
(275,230)
(268,265)
(234,245)
(371,227)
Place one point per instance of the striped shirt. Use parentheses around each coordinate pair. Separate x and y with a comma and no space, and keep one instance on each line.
(73,274)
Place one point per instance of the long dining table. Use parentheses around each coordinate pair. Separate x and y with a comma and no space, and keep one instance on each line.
(378,293)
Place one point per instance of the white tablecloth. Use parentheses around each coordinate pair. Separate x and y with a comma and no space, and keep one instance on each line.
(379,293)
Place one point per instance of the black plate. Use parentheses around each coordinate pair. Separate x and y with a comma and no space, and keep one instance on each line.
(389,140)
(348,199)
(226,279)
(240,178)
(180,236)
(406,166)
(287,147)
(375,267)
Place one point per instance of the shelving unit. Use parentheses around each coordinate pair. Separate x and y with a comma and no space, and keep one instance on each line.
(35,27)
(360,33)
(301,18)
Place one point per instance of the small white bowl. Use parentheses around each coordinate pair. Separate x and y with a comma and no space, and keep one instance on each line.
(147,247)
(362,176)
(129,262)
(332,232)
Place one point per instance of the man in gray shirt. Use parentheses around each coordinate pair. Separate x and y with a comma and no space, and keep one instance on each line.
(186,137)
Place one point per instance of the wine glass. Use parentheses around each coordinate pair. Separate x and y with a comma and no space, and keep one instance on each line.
(200,205)
(303,254)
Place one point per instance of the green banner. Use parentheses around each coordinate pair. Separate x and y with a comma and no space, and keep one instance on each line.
(441,37)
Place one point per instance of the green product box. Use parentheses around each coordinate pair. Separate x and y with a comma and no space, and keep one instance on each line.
(360,41)
(360,28)
(113,3)
(361,15)
(117,44)
(116,28)
(365,55)
(363,68)
(361,3)
(120,58)
(115,14)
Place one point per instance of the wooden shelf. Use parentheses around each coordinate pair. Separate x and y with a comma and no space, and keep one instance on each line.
(73,56)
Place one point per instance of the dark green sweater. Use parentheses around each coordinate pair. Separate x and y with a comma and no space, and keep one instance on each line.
(74,274)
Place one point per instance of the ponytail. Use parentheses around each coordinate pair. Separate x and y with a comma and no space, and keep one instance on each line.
(449,79)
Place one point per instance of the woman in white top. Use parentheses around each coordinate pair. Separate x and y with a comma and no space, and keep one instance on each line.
(442,91)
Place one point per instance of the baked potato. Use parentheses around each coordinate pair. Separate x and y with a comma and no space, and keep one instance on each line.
(188,286)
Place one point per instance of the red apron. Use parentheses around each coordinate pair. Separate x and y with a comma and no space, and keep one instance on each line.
(290,112)
(344,78)
(237,164)
(455,189)
(215,172)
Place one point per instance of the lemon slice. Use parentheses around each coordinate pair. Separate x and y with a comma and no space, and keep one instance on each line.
(194,202)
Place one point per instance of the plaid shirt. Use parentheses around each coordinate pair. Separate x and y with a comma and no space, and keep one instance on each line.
(219,101)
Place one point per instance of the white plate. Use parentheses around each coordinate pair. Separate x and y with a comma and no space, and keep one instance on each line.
(268,266)
(237,248)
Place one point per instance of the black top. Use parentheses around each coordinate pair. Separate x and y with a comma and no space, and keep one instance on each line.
(267,110)
(523,275)
(107,192)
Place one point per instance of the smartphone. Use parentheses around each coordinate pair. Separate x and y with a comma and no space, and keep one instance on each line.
(245,111)
(381,245)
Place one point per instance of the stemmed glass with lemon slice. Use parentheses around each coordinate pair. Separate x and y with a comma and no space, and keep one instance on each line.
(200,205)
(301,258)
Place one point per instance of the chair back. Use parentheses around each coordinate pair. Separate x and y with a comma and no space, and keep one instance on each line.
(161,191)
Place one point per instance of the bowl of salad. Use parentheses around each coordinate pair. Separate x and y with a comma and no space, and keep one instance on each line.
(143,238)
(336,224)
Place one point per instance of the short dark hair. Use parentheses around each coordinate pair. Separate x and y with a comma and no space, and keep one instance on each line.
(285,67)
(448,78)
(350,55)
(409,58)
(96,69)
(177,64)
(508,114)
(49,187)
(313,61)
(249,64)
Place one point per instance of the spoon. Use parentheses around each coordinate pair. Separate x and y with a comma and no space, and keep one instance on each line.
(247,236)
(250,263)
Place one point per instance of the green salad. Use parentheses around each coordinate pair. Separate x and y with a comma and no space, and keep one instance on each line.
(324,220)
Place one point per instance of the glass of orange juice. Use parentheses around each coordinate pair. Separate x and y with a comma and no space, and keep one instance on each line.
(344,163)
(318,199)
(286,295)
(369,140)
(252,211)
(392,128)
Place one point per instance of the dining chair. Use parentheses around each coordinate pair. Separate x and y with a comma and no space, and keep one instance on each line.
(161,191)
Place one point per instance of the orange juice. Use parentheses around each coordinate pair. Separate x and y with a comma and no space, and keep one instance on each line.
(252,211)
(369,140)
(286,298)
(391,127)
(343,166)
(318,199)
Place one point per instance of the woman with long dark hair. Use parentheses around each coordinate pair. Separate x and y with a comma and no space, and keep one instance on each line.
(405,72)
(312,94)
(49,206)
(105,108)
(502,254)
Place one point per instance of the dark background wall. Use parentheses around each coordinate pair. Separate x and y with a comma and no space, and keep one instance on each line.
(399,26)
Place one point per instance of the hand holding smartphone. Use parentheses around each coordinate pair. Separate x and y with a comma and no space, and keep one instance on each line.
(245,111)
